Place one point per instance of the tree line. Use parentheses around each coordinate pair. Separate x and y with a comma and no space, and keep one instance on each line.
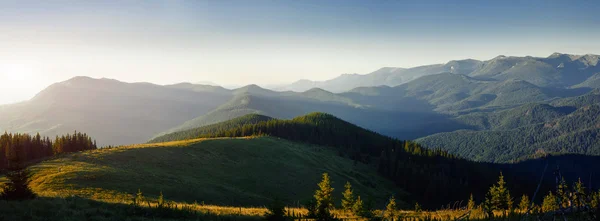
(20,148)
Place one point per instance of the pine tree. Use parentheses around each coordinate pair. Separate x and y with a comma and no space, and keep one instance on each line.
(390,209)
(161,200)
(276,211)
(359,208)
(17,187)
(471,203)
(579,194)
(324,200)
(550,204)
(348,200)
(500,198)
(323,195)
(524,204)
(562,193)
(139,198)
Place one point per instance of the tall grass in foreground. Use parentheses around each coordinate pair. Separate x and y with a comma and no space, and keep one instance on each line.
(75,208)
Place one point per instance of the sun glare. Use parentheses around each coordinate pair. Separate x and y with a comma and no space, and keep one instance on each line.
(17,81)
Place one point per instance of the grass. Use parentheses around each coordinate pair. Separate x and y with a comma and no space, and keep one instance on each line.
(203,179)
(227,173)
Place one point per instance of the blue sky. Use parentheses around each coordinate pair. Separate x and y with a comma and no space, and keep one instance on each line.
(271,42)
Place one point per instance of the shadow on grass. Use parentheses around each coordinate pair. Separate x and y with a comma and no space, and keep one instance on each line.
(75,208)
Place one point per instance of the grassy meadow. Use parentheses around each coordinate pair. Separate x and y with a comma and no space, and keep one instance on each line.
(205,179)
(222,176)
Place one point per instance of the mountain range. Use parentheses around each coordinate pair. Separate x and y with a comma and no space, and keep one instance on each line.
(497,110)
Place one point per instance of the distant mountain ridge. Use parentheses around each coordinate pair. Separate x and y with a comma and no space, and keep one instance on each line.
(560,70)
(389,76)
(410,103)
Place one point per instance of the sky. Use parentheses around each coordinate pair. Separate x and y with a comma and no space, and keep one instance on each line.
(271,42)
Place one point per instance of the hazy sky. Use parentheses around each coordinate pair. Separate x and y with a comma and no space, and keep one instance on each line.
(271,42)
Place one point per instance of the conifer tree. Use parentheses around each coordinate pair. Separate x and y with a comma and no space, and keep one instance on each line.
(348,200)
(359,208)
(324,200)
(488,206)
(17,187)
(579,194)
(595,200)
(550,204)
(524,204)
(390,209)
(562,193)
(276,211)
(500,198)
(139,198)
(323,195)
(161,200)
(471,203)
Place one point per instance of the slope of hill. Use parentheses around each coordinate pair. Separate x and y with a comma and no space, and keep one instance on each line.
(591,82)
(108,109)
(524,115)
(394,159)
(591,98)
(213,128)
(577,132)
(392,122)
(234,172)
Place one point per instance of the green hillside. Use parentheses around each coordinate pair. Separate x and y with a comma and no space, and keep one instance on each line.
(213,128)
(433,173)
(577,132)
(244,171)
(515,117)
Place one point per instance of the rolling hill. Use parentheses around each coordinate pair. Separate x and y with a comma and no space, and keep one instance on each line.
(413,124)
(228,171)
(212,129)
(107,108)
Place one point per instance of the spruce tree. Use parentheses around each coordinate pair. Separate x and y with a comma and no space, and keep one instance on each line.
(324,200)
(161,200)
(139,198)
(579,194)
(562,193)
(276,211)
(390,209)
(17,187)
(359,208)
(499,196)
(348,200)
(550,204)
(524,204)
(471,203)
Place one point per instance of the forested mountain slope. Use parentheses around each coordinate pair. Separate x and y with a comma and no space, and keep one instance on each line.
(577,132)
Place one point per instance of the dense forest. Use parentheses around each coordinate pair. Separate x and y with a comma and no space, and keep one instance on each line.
(577,132)
(18,148)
